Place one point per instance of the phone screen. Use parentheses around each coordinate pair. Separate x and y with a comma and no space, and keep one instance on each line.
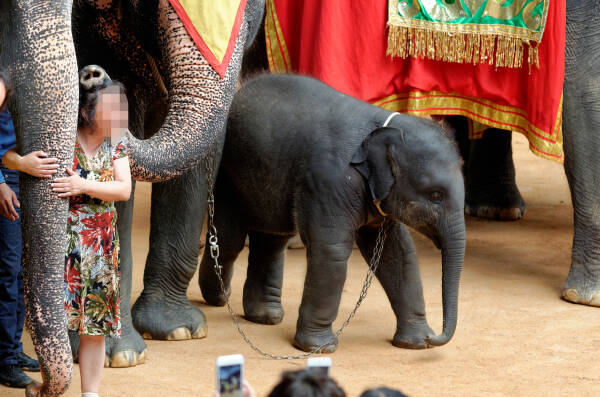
(230,381)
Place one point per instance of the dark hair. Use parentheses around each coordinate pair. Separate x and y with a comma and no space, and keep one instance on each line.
(88,100)
(306,383)
(382,392)
(8,88)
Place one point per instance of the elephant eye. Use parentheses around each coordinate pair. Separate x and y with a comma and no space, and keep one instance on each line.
(436,197)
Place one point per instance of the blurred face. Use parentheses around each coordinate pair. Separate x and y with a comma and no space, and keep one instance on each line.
(111,113)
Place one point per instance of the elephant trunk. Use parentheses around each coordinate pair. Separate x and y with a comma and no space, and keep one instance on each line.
(453,253)
(37,49)
(198,103)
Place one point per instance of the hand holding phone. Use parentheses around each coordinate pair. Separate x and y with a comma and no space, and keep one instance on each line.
(319,363)
(230,375)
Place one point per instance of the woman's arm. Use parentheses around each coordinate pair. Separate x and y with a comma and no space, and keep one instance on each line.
(35,163)
(117,190)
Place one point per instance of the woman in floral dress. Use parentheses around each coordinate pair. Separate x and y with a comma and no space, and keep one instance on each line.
(100,176)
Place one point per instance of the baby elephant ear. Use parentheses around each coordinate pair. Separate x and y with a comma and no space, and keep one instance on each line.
(382,178)
(359,160)
(373,161)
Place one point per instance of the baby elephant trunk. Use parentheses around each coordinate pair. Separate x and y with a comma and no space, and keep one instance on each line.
(453,239)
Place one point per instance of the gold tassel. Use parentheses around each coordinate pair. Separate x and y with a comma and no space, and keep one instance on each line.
(471,48)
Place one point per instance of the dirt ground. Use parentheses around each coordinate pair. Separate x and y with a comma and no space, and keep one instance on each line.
(514,336)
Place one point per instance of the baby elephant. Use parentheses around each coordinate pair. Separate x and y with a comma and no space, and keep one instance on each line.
(300,157)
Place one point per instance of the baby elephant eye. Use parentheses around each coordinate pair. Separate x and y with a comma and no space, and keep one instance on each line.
(436,196)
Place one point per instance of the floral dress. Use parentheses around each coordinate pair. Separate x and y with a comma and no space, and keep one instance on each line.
(92,274)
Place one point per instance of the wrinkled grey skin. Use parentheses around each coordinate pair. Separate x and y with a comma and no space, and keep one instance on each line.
(301,157)
(581,136)
(38,50)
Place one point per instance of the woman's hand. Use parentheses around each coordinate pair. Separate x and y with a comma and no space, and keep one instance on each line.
(69,186)
(35,163)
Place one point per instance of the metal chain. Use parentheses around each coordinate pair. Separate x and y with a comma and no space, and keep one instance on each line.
(213,246)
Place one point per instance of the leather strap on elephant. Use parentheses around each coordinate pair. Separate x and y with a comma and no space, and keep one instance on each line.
(214,26)
(377,205)
(389,119)
(476,31)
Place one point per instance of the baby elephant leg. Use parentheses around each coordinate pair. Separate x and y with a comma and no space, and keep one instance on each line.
(398,273)
(262,290)
(231,232)
(325,277)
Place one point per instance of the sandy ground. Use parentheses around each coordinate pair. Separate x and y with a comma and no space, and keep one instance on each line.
(514,337)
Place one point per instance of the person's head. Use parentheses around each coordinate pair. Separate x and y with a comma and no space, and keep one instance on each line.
(306,383)
(5,90)
(102,102)
(382,392)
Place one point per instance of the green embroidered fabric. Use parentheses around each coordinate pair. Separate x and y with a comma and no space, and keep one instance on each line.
(523,19)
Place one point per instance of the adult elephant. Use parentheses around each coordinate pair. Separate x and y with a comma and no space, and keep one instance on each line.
(491,190)
(175,95)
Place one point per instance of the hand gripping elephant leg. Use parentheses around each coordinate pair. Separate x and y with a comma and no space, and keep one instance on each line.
(581,134)
(130,349)
(163,311)
(231,233)
(262,289)
(398,273)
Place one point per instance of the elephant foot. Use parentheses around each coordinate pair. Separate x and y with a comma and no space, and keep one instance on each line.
(128,351)
(413,336)
(125,359)
(158,318)
(580,288)
(308,341)
(264,313)
(213,295)
(502,202)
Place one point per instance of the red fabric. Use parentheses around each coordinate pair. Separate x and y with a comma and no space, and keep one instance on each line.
(343,43)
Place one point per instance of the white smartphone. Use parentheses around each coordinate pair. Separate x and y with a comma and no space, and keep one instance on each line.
(319,363)
(230,371)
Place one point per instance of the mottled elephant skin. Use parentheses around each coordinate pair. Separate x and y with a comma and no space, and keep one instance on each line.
(42,44)
(301,157)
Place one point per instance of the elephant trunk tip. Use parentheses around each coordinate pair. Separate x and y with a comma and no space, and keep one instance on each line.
(92,76)
(439,340)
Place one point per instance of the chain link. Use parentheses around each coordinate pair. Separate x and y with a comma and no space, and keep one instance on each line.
(214,253)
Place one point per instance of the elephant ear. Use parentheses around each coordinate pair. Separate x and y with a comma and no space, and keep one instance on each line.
(374,161)
(359,160)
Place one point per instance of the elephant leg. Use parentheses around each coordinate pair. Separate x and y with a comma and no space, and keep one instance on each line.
(163,311)
(130,349)
(581,136)
(490,187)
(231,232)
(398,273)
(327,258)
(262,290)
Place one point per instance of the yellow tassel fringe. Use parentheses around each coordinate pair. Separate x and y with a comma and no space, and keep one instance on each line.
(495,50)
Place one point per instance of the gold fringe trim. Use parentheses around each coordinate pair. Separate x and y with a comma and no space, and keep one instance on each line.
(497,50)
